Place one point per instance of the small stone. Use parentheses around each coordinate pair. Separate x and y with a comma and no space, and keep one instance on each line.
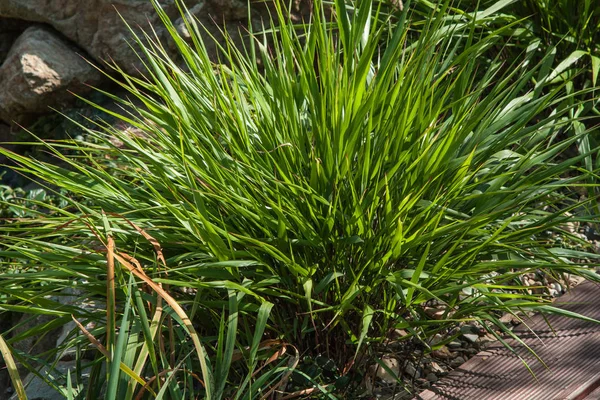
(539,288)
(424,383)
(470,337)
(437,338)
(454,345)
(472,351)
(411,371)
(509,318)
(443,353)
(575,280)
(487,338)
(558,287)
(457,362)
(435,312)
(431,377)
(545,280)
(393,365)
(399,333)
(436,368)
(580,236)
(570,227)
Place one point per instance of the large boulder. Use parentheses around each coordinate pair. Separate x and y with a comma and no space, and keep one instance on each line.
(94,25)
(40,70)
(97,25)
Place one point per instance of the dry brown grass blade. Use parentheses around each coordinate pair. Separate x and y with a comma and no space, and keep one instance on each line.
(160,375)
(135,268)
(122,258)
(292,364)
(300,393)
(174,305)
(106,354)
(149,382)
(265,344)
(279,353)
(157,247)
(270,343)
(134,262)
(13,371)
(110,291)
(92,339)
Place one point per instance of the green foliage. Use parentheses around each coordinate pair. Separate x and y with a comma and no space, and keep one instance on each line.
(352,181)
(570,30)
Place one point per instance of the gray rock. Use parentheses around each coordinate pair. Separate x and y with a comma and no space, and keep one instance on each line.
(97,25)
(411,371)
(457,362)
(392,365)
(557,287)
(39,72)
(436,339)
(431,377)
(37,389)
(470,337)
(472,351)
(470,332)
(231,9)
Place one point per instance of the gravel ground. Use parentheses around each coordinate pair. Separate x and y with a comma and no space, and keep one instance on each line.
(419,370)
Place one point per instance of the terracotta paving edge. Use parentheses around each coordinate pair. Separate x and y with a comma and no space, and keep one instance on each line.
(571,339)
(586,389)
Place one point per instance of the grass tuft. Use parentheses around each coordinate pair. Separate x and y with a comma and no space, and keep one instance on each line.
(322,186)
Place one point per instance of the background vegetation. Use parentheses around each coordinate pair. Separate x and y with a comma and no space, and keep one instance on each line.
(262,227)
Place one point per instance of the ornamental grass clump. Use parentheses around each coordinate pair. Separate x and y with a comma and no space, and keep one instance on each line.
(320,186)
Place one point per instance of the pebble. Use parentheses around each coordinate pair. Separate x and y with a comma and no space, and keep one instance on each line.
(558,287)
(470,337)
(424,383)
(435,367)
(411,371)
(437,338)
(394,367)
(431,377)
(487,338)
(570,227)
(435,312)
(539,288)
(472,351)
(443,353)
(454,345)
(399,333)
(575,280)
(457,362)
(508,318)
